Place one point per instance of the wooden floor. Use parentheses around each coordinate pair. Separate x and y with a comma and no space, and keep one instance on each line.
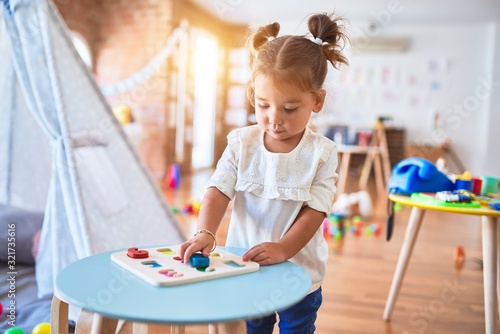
(435,296)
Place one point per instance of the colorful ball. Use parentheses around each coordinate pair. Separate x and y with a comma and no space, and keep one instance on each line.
(42,328)
(196,206)
(356,230)
(326,225)
(356,219)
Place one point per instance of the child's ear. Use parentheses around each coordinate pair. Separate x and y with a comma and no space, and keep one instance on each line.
(319,100)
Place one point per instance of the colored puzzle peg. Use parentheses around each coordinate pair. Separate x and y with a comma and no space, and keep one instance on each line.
(197,260)
(136,253)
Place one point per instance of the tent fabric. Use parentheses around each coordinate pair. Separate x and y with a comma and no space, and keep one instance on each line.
(6,120)
(98,195)
(30,165)
(40,85)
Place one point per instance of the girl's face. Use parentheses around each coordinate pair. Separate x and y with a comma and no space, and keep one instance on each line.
(283,112)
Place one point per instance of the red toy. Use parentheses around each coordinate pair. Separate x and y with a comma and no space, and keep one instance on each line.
(459,257)
(136,253)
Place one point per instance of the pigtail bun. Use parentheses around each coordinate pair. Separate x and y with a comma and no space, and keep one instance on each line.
(262,36)
(331,32)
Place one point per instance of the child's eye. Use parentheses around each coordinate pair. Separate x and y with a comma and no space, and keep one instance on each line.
(261,106)
(290,110)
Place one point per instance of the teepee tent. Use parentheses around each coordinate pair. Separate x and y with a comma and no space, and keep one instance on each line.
(62,150)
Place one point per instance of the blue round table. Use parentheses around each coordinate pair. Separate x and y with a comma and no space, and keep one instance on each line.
(100,286)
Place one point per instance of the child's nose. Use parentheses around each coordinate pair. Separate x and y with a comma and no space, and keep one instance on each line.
(275,117)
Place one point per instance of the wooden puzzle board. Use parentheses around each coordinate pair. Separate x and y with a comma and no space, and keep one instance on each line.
(163,266)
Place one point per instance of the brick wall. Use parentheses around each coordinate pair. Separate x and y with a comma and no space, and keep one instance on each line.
(123,36)
(82,16)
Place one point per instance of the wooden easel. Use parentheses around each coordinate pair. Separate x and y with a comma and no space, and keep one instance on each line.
(377,157)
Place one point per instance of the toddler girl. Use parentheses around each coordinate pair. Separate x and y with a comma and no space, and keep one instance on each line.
(279,174)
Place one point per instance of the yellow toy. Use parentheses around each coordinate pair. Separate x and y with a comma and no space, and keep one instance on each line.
(123,114)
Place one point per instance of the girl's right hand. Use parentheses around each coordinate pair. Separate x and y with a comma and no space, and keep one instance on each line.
(201,242)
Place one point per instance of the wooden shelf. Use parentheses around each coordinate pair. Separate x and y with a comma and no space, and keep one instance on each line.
(396,143)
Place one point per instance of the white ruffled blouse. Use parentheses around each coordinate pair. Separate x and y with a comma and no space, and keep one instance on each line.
(269,189)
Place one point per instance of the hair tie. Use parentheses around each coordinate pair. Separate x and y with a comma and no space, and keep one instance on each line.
(271,38)
(318,41)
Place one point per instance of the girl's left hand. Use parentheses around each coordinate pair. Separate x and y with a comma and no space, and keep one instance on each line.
(266,253)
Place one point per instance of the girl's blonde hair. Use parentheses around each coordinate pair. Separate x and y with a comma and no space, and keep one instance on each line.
(297,59)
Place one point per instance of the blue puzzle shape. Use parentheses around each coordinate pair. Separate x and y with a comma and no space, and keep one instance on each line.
(197,260)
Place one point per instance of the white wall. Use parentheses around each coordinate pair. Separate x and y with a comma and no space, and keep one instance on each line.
(490,149)
(465,60)
(464,99)
(468,99)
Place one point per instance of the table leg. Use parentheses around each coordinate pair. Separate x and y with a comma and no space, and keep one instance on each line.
(58,316)
(84,322)
(379,177)
(144,328)
(367,168)
(412,229)
(177,329)
(233,327)
(140,328)
(489,228)
(102,324)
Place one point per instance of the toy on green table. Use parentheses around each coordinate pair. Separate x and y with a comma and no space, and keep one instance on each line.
(42,328)
(1,308)
(447,199)
(464,181)
(14,330)
(476,185)
(495,206)
(461,195)
(489,185)
(417,175)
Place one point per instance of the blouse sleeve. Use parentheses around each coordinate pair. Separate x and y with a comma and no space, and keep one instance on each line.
(224,177)
(323,188)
